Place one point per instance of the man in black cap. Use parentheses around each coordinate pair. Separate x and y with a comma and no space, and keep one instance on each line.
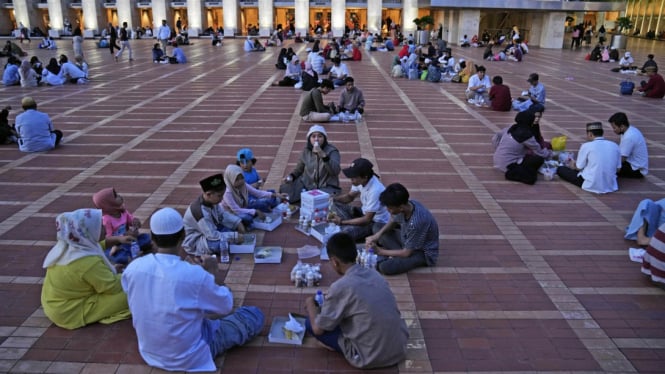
(533,98)
(205,219)
(597,163)
(372,215)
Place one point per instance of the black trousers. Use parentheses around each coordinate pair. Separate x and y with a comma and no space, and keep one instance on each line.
(527,171)
(627,171)
(569,175)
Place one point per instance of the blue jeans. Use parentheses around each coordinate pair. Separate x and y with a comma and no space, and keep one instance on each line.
(235,329)
(329,338)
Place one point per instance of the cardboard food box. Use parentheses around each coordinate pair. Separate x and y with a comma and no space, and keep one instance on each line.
(277,335)
(245,247)
(268,255)
(314,199)
(276,220)
(322,232)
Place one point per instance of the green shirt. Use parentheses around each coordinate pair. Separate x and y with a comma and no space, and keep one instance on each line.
(83,292)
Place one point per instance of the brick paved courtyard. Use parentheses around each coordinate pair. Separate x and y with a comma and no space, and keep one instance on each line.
(530,278)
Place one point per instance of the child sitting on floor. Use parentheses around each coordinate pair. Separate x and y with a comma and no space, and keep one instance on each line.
(246,161)
(236,197)
(118,221)
(205,219)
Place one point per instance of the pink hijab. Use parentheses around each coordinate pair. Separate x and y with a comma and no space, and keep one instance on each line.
(106,201)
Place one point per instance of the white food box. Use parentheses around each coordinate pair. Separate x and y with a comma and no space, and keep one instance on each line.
(262,225)
(276,334)
(322,233)
(275,256)
(246,247)
(314,199)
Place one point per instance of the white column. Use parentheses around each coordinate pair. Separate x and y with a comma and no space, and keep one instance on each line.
(230,17)
(25,12)
(56,10)
(467,24)
(159,12)
(338,15)
(126,13)
(266,16)
(409,13)
(552,30)
(92,12)
(194,17)
(451,34)
(374,16)
(302,16)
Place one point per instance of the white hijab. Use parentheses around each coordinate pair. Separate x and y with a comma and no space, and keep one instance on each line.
(77,233)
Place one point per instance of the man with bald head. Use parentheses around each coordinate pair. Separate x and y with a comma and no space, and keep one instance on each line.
(35,130)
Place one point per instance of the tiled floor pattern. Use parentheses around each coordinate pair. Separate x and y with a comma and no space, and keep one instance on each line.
(530,279)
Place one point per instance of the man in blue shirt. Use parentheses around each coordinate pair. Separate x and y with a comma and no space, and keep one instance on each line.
(34,128)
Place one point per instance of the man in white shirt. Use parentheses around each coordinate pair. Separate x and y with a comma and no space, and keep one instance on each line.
(164,34)
(633,147)
(479,87)
(597,163)
(171,300)
(338,72)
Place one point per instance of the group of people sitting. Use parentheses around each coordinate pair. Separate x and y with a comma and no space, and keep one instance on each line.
(104,247)
(32,73)
(177,57)
(520,151)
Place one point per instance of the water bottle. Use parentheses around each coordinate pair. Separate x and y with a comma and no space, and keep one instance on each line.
(319,298)
(371,258)
(135,249)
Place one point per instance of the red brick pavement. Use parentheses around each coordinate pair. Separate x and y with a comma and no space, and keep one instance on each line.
(530,278)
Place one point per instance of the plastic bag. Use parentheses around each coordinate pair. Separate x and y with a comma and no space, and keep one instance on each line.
(559,143)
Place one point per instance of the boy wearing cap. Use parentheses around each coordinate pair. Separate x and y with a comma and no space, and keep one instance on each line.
(655,86)
(633,147)
(245,159)
(597,163)
(372,215)
(417,234)
(534,98)
(34,129)
(170,299)
(359,318)
(313,109)
(206,219)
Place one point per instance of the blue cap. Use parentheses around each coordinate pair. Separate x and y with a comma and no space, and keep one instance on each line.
(245,155)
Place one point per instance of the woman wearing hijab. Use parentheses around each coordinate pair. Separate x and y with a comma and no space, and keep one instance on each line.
(318,167)
(81,286)
(291,75)
(52,74)
(236,197)
(517,152)
(310,79)
(281,63)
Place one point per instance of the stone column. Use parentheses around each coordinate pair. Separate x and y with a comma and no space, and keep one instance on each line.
(302,17)
(24,11)
(467,24)
(160,11)
(266,16)
(194,17)
(338,16)
(126,13)
(552,30)
(374,16)
(409,13)
(230,17)
(56,10)
(92,16)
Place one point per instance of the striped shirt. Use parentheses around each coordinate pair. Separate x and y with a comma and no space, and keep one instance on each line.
(420,232)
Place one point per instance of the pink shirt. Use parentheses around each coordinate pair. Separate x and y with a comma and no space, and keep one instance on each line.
(117,226)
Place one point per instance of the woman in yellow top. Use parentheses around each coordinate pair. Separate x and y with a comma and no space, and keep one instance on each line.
(81,285)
